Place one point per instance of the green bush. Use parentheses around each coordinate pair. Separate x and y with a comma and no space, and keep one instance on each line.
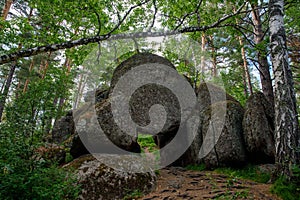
(147,141)
(285,189)
(23,176)
(40,183)
(288,190)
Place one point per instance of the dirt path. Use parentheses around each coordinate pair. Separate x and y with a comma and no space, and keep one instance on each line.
(178,183)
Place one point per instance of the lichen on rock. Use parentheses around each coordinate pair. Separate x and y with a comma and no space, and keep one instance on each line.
(99,180)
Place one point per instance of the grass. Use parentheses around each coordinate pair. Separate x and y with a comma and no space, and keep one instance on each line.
(133,195)
(285,189)
(249,172)
(200,167)
(288,190)
(147,141)
(148,145)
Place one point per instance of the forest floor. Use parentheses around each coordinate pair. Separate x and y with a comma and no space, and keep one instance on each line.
(178,183)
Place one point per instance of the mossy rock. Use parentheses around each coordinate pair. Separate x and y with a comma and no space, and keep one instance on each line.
(258,125)
(208,94)
(50,154)
(134,61)
(113,132)
(229,148)
(100,181)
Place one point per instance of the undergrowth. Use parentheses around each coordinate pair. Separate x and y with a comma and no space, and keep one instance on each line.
(147,141)
(288,190)
(249,172)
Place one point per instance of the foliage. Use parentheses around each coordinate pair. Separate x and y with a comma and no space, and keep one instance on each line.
(42,85)
(147,141)
(148,146)
(199,167)
(133,195)
(285,189)
(233,83)
(249,172)
(288,189)
(23,177)
(24,129)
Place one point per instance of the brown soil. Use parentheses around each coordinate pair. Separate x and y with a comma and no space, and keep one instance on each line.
(178,183)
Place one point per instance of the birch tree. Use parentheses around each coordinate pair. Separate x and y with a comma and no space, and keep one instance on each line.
(286,117)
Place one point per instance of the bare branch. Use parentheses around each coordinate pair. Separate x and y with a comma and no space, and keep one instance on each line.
(189,14)
(99,22)
(154,15)
(99,52)
(126,15)
(238,28)
(255,65)
(136,45)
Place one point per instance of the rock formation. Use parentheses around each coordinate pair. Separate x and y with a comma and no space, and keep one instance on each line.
(63,128)
(99,180)
(258,125)
(228,148)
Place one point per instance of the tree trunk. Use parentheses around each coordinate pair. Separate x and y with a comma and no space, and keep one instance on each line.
(202,64)
(78,94)
(12,70)
(6,88)
(6,8)
(3,84)
(286,117)
(247,78)
(214,57)
(263,64)
(27,80)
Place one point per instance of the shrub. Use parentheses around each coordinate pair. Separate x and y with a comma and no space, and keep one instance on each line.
(288,190)
(22,176)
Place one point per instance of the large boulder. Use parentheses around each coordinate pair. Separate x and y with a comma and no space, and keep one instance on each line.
(50,154)
(144,101)
(222,135)
(258,125)
(111,133)
(99,180)
(74,143)
(144,97)
(98,95)
(63,128)
(135,61)
(97,133)
(208,94)
(77,148)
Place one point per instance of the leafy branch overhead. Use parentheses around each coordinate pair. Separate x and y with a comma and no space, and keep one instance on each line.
(113,35)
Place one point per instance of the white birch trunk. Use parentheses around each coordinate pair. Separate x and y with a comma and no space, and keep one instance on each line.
(286,117)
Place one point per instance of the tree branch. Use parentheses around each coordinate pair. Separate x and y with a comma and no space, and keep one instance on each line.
(189,14)
(126,15)
(95,39)
(99,22)
(154,15)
